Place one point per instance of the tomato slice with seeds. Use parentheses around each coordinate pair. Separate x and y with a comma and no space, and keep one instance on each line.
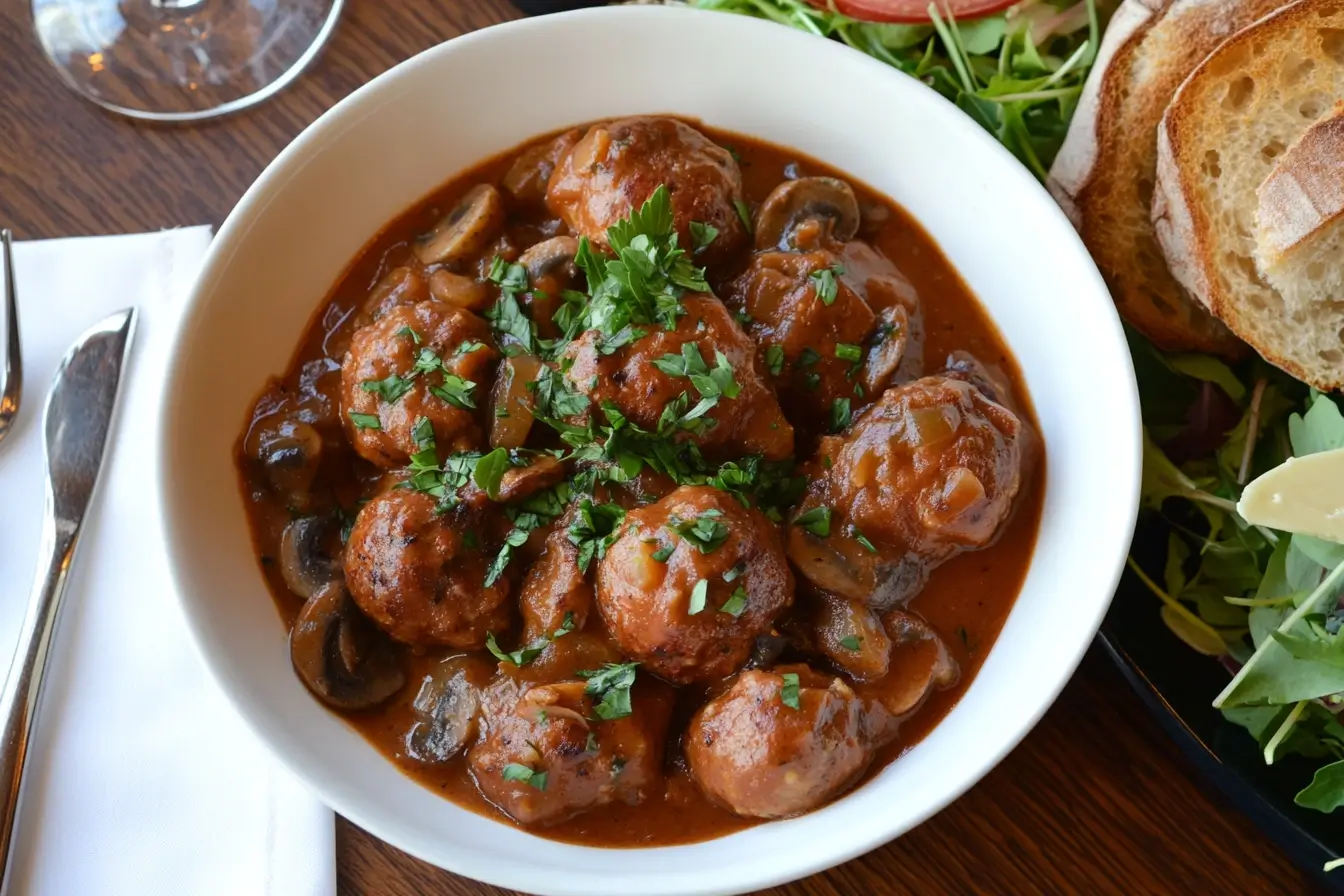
(911,11)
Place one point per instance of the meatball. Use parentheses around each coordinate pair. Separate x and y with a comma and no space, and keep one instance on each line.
(616,166)
(429,360)
(419,574)
(691,581)
(629,378)
(555,588)
(810,328)
(758,756)
(547,759)
(927,472)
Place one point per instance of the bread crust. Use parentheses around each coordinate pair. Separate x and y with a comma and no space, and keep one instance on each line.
(1304,194)
(1107,166)
(1182,222)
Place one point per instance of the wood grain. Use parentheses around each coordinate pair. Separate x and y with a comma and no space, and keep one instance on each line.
(1096,800)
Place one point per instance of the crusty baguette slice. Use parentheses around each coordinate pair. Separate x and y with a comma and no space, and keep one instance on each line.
(1105,171)
(1220,138)
(1299,217)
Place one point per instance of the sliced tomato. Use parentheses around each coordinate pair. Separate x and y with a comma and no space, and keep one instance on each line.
(911,11)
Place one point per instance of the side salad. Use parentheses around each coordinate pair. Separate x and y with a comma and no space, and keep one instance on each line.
(1264,602)
(1018,72)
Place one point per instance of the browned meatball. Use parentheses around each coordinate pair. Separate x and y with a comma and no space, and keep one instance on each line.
(428,360)
(750,423)
(414,572)
(616,166)
(927,472)
(833,325)
(691,581)
(548,758)
(758,756)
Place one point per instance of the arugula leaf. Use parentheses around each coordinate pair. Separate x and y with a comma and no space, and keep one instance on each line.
(1321,428)
(1209,369)
(1325,793)
(610,685)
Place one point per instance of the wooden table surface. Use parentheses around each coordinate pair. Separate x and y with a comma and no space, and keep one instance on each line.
(1096,800)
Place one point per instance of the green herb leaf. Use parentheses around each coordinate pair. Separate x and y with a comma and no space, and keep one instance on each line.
(517,772)
(774,359)
(389,389)
(817,521)
(490,470)
(788,694)
(862,539)
(1321,428)
(410,334)
(840,414)
(703,234)
(744,212)
(365,421)
(706,532)
(1325,793)
(594,530)
(850,642)
(848,352)
(663,553)
(611,685)
(736,604)
(827,287)
(698,595)
(519,657)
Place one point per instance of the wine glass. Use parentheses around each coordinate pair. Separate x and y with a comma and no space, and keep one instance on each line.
(181,60)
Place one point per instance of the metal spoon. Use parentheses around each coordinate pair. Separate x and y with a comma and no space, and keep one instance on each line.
(11,374)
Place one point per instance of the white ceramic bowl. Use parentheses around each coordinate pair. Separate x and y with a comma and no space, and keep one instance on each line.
(393,141)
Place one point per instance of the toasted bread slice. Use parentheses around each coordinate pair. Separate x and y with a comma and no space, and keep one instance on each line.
(1106,169)
(1220,139)
(1299,217)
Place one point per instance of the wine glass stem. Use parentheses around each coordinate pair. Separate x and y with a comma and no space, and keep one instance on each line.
(175,5)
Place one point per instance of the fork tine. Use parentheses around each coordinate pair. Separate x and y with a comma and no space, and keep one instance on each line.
(11,384)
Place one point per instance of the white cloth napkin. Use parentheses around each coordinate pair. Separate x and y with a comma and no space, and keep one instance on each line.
(141,778)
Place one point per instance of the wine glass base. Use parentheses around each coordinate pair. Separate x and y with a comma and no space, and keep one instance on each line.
(181,60)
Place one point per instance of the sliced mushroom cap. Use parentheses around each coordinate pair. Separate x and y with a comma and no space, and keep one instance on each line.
(464,230)
(447,709)
(825,200)
(290,452)
(920,665)
(552,258)
(310,554)
(518,482)
(512,401)
(890,340)
(852,637)
(341,656)
(458,290)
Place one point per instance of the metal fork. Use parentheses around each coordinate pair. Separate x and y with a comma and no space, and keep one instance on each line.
(11,373)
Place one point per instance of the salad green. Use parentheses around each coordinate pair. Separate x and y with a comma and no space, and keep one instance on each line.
(1018,73)
(1266,602)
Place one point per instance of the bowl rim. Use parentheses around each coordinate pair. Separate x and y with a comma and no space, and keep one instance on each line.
(695,882)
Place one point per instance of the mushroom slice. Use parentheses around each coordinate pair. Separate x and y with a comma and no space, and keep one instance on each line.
(290,452)
(458,290)
(852,637)
(512,401)
(888,351)
(920,665)
(310,550)
(826,200)
(341,656)
(448,709)
(553,258)
(465,229)
(519,482)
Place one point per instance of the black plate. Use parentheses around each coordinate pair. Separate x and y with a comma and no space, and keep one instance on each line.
(1179,685)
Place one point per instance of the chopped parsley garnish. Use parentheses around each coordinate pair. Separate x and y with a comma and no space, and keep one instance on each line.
(524,655)
(455,390)
(468,346)
(610,686)
(566,626)
(771,485)
(807,358)
(840,414)
(698,595)
(705,531)
(517,772)
(735,570)
(390,389)
(528,515)
(824,282)
(736,604)
(365,421)
(663,553)
(506,316)
(848,352)
(712,383)
(554,397)
(850,642)
(862,539)
(817,521)
(744,212)
(409,334)
(788,694)
(774,360)
(703,234)
(812,380)
(490,471)
(594,530)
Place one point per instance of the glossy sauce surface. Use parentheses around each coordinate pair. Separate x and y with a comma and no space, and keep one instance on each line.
(965,601)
